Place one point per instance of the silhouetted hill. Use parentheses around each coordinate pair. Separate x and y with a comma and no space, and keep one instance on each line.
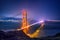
(20,35)
(12,35)
(2,35)
(57,35)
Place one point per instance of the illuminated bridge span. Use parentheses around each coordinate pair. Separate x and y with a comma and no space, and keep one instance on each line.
(26,27)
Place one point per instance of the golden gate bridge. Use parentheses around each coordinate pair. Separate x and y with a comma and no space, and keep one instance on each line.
(26,26)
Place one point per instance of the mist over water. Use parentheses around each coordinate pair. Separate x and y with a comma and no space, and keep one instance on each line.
(50,28)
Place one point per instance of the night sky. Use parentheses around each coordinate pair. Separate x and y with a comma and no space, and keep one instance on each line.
(36,9)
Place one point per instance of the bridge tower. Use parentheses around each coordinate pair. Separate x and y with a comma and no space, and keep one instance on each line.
(25,21)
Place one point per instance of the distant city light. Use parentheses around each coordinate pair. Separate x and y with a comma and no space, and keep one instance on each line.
(41,21)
